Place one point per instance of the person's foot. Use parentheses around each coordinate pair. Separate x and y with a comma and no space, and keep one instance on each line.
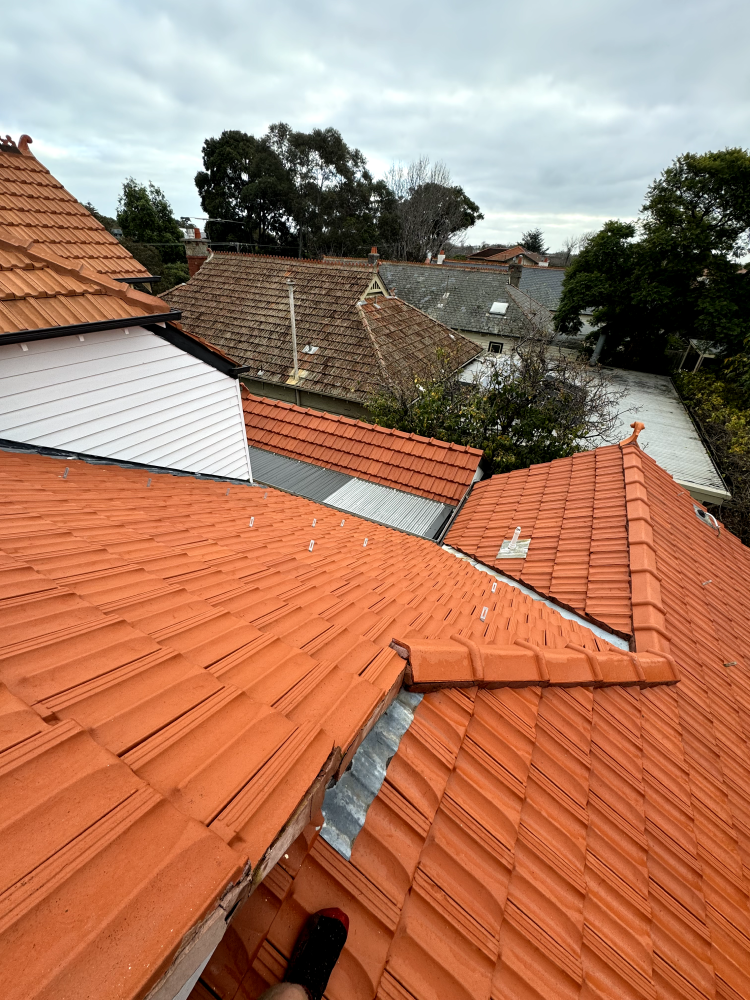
(317,950)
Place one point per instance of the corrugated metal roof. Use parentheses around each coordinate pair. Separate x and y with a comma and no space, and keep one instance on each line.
(397,509)
(670,437)
(301,478)
(393,507)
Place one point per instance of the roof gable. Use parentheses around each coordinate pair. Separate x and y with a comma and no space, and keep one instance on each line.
(35,209)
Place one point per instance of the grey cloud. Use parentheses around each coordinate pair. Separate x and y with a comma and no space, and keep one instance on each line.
(556,114)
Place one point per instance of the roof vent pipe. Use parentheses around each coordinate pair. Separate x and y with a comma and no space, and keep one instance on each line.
(290,283)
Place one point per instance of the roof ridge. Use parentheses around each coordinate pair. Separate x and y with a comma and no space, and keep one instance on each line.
(648,614)
(295,260)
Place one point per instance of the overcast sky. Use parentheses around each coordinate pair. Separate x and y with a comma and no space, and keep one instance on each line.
(549,114)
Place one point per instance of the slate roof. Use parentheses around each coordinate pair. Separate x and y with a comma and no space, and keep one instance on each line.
(424,466)
(38,213)
(543,284)
(177,687)
(459,297)
(240,302)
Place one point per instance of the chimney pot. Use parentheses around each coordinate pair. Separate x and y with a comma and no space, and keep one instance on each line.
(441,257)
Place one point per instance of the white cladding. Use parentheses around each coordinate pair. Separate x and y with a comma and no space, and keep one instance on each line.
(124,394)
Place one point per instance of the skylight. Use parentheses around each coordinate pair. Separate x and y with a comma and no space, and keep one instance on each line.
(310,349)
(498,308)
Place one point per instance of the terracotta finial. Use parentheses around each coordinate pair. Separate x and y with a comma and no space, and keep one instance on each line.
(24,143)
(637,428)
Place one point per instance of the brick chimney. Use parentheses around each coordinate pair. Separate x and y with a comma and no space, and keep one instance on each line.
(196,251)
(373,256)
(515,274)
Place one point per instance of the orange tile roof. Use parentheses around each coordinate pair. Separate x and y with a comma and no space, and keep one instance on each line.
(37,292)
(409,462)
(554,843)
(179,685)
(574,512)
(36,210)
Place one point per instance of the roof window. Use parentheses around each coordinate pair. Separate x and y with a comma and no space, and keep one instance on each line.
(498,308)
(310,349)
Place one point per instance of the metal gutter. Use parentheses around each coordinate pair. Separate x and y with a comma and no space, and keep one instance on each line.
(140,279)
(49,332)
(598,630)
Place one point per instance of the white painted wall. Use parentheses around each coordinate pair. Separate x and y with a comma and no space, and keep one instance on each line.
(124,394)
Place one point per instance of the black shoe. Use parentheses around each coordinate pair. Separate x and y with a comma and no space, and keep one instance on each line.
(317,950)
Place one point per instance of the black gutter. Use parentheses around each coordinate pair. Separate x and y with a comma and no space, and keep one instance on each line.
(140,279)
(48,332)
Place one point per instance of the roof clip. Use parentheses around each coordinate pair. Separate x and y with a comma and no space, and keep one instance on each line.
(483,616)
(265,494)
(252,522)
(342,522)
(65,474)
(148,484)
(311,545)
(364,544)
(315,521)
(227,492)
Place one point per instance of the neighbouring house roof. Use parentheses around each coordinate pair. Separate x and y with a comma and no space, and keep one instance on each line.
(424,466)
(38,213)
(550,842)
(544,284)
(240,302)
(184,668)
(670,436)
(459,297)
(510,253)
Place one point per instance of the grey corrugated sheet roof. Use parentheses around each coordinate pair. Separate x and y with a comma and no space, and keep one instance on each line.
(301,478)
(670,436)
(397,509)
(470,293)
(543,284)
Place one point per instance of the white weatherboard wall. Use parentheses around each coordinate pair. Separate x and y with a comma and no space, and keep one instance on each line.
(124,394)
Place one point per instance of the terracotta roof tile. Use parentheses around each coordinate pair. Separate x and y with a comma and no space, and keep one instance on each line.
(35,207)
(191,680)
(240,303)
(359,449)
(555,842)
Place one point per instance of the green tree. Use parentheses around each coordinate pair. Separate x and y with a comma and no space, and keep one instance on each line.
(533,240)
(677,267)
(532,406)
(334,204)
(246,190)
(145,216)
(721,403)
